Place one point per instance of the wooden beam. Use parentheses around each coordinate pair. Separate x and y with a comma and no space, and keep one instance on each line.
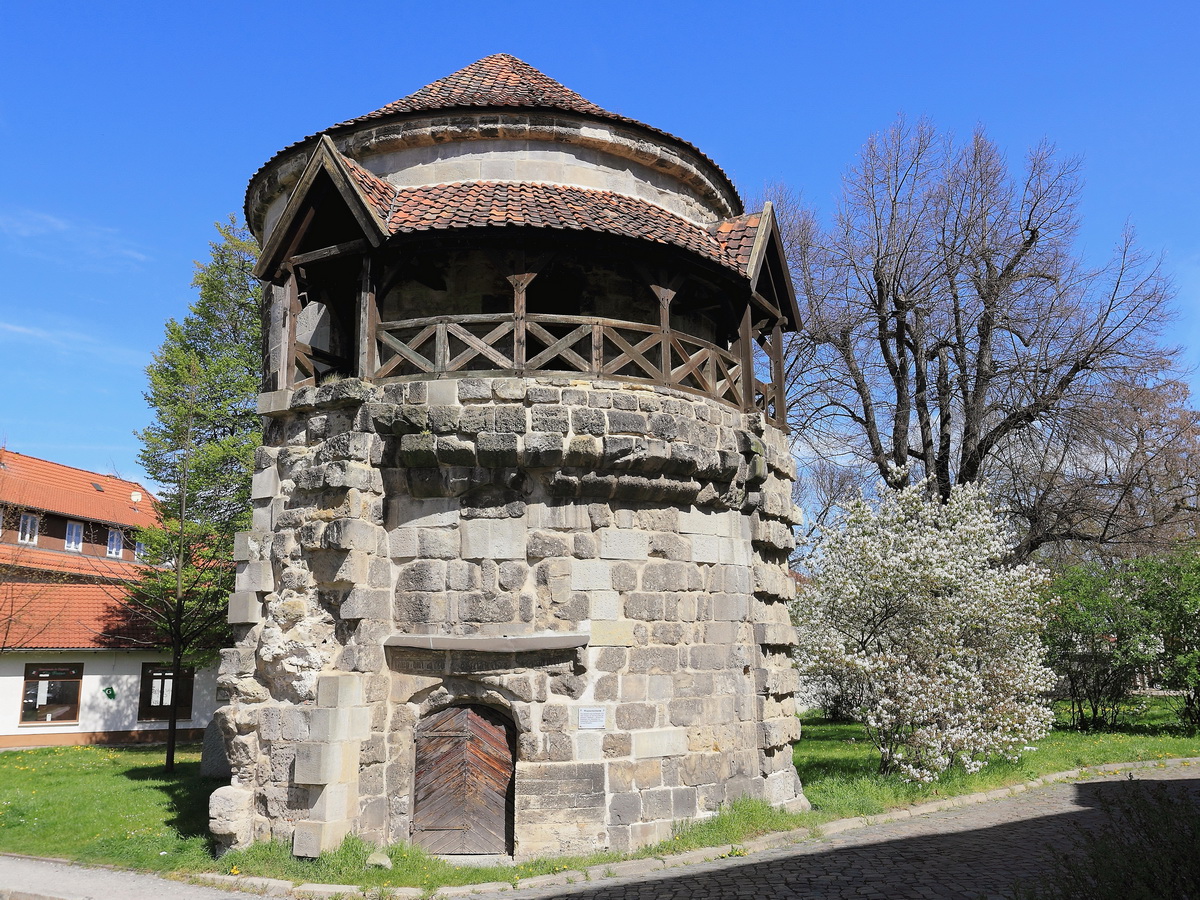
(358,246)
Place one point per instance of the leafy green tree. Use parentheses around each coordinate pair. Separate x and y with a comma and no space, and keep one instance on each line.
(202,386)
(1169,588)
(1100,638)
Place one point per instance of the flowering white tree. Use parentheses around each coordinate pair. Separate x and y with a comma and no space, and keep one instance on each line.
(934,643)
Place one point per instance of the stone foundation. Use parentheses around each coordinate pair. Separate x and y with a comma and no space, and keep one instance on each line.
(603,563)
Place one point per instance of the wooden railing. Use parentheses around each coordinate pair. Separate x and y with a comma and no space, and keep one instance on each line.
(508,343)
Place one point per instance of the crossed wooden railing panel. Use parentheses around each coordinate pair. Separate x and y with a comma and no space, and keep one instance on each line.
(538,342)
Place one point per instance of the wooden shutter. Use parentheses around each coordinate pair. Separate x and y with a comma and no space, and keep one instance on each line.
(463,796)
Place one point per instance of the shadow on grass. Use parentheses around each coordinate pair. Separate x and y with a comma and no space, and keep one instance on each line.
(187,790)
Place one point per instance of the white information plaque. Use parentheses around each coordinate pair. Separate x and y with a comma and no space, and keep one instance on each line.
(592,717)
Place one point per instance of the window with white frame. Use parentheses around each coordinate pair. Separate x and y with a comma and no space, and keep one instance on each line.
(139,551)
(74,540)
(116,542)
(28,533)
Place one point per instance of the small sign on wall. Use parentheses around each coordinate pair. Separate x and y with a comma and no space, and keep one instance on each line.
(592,717)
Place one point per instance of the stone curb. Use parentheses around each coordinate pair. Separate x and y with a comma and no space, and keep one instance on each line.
(635,867)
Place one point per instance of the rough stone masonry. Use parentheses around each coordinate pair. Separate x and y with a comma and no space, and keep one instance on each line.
(593,570)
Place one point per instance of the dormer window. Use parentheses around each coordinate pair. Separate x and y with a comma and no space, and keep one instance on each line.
(116,543)
(28,532)
(74,541)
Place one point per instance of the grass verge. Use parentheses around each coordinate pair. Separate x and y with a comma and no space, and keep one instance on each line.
(115,806)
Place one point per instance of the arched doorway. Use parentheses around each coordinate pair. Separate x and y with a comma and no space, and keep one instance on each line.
(463,786)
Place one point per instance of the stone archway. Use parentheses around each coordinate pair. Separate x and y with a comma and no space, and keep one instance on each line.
(463,782)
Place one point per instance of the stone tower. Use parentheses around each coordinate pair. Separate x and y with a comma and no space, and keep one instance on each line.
(517,580)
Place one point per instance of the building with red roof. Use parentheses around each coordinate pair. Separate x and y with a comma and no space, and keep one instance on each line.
(73,669)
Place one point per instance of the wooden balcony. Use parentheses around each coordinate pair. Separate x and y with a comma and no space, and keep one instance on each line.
(508,344)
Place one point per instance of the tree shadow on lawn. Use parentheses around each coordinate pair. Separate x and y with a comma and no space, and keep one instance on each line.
(910,859)
(188,792)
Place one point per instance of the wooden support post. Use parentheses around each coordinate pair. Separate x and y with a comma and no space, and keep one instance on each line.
(597,348)
(368,318)
(665,295)
(519,284)
(291,311)
(780,418)
(746,355)
(441,348)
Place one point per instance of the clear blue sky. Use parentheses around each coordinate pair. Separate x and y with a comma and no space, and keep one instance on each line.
(127,129)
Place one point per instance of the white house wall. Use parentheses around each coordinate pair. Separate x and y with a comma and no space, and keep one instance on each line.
(120,670)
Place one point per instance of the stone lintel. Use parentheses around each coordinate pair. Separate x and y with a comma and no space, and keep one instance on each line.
(515,643)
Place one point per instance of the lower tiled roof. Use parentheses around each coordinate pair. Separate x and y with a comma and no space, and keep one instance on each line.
(474,204)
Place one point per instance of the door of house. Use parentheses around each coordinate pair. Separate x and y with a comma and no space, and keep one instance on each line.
(463,795)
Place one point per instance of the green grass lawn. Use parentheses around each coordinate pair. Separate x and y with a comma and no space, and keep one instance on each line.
(109,805)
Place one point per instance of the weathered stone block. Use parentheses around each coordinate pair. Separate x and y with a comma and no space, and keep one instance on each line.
(245,608)
(255,575)
(319,762)
(311,839)
(493,539)
(618,543)
(351,534)
(496,449)
(337,689)
(660,742)
(612,634)
(264,485)
(591,575)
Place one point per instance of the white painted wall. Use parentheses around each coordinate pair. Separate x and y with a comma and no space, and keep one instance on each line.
(118,669)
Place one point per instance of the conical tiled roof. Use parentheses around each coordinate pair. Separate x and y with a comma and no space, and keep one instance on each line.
(496,80)
(499,81)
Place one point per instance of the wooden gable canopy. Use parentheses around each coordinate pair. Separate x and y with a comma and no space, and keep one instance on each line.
(361,224)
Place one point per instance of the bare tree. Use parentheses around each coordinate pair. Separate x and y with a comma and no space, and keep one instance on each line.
(952,332)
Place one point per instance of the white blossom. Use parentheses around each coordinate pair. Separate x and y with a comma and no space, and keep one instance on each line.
(911,614)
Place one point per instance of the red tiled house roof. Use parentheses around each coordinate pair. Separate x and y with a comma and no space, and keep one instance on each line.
(45,616)
(32,483)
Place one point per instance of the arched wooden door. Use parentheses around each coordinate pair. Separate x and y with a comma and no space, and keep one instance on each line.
(463,788)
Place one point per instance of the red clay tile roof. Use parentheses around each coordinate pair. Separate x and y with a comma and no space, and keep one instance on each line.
(496,203)
(32,483)
(496,82)
(380,194)
(64,617)
(736,237)
(17,556)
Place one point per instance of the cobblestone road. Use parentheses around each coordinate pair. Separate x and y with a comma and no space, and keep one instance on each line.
(972,852)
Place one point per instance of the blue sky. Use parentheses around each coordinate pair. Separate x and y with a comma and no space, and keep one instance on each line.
(127,129)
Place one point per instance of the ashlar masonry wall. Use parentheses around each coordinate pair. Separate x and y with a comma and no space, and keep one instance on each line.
(605,564)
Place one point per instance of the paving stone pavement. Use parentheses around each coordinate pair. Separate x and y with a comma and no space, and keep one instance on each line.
(972,852)
(975,851)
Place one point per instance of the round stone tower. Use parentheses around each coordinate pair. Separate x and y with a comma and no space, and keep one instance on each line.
(517,580)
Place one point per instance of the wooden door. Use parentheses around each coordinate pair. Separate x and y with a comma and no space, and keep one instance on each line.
(463,793)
